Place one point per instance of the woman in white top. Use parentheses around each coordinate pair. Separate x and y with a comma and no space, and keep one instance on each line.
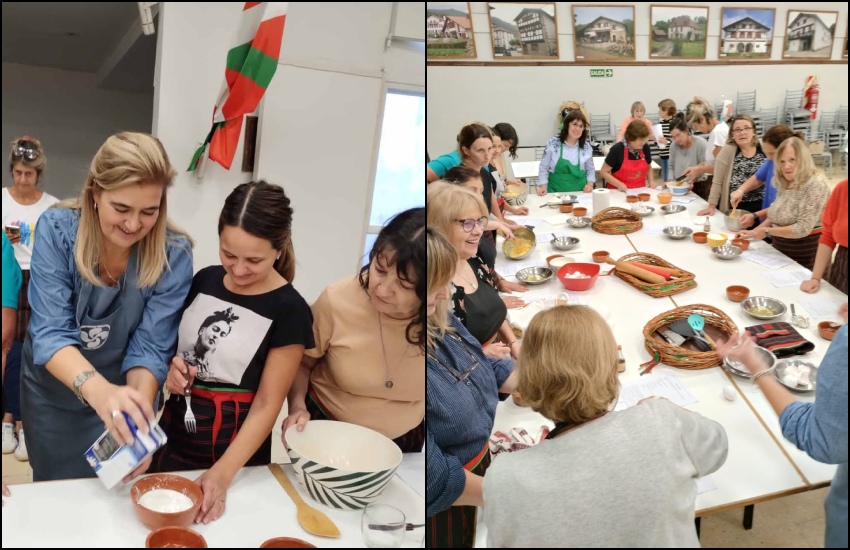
(701,117)
(23,204)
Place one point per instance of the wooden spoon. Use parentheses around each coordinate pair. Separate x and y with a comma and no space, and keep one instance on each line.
(312,520)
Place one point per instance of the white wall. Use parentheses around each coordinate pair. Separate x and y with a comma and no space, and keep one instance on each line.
(70,116)
(528,97)
(319,125)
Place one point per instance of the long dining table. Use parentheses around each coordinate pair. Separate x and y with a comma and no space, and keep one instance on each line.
(761,464)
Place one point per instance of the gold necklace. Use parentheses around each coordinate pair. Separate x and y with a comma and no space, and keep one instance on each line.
(389,382)
(473,284)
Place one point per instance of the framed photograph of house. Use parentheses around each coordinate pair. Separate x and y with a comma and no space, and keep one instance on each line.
(448,30)
(604,32)
(677,32)
(809,34)
(746,33)
(522,30)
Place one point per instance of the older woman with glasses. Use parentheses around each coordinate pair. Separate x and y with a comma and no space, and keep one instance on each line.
(739,160)
(602,478)
(462,385)
(23,205)
(460,216)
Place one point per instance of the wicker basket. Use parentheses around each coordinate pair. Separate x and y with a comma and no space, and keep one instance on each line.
(657,290)
(607,221)
(518,199)
(683,358)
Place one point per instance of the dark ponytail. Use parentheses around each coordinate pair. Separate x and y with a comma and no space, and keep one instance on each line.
(262,209)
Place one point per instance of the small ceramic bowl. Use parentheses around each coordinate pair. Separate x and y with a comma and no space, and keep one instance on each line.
(665,198)
(743,244)
(175,537)
(737,293)
(827,330)
(579,211)
(716,239)
(557,261)
(599,256)
(286,542)
(566,208)
(700,237)
(155,520)
(644,196)
(632,198)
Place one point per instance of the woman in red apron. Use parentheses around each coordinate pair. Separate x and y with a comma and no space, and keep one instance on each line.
(242,335)
(460,404)
(627,165)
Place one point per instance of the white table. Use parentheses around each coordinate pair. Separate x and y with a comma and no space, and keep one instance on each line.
(761,465)
(82,514)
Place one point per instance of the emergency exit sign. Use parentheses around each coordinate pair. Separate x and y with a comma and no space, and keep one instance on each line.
(601,73)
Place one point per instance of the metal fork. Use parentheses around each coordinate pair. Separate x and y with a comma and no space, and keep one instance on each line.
(189,419)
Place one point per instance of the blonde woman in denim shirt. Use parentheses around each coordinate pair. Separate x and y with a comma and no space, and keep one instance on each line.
(108,280)
(818,428)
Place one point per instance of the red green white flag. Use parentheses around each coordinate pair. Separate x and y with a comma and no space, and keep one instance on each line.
(251,64)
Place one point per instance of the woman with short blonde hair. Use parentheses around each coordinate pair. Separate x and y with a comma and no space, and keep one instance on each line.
(442,260)
(109,279)
(794,220)
(596,458)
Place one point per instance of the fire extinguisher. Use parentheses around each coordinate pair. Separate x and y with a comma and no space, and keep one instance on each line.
(811,94)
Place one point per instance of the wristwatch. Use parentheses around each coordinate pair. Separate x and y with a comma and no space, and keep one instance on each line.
(78,384)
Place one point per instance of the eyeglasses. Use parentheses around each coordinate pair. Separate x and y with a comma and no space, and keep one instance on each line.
(742,130)
(469,224)
(465,374)
(25,149)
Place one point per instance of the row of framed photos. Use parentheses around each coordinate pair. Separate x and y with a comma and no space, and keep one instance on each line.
(520,30)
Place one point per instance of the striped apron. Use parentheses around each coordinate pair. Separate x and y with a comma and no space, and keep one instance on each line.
(837,275)
(455,527)
(802,251)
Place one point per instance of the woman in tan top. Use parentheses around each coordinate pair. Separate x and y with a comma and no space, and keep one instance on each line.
(794,219)
(368,367)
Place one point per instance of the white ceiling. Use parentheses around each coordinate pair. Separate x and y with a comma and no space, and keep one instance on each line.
(104,38)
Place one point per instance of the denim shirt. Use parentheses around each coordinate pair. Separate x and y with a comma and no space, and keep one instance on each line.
(53,295)
(458,414)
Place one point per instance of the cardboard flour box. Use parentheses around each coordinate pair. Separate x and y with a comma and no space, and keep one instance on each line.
(111,461)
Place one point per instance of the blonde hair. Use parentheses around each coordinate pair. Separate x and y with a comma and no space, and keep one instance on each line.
(698,109)
(567,368)
(446,203)
(667,106)
(638,105)
(804,169)
(38,164)
(747,118)
(125,159)
(442,262)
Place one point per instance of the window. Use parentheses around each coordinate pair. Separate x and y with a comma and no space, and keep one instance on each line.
(400,174)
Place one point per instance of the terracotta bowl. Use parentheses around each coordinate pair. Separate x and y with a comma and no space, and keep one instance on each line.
(644,196)
(743,244)
(286,542)
(599,256)
(175,537)
(155,520)
(579,211)
(665,198)
(737,293)
(826,330)
(700,237)
(632,198)
(566,208)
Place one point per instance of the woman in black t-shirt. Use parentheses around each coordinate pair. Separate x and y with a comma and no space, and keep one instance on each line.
(242,335)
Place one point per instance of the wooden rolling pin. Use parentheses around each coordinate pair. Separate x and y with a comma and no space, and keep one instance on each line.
(636,272)
(658,270)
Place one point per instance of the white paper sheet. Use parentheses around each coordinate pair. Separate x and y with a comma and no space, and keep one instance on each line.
(682,219)
(683,199)
(766,258)
(782,279)
(509,269)
(557,219)
(823,308)
(546,236)
(526,220)
(654,228)
(664,385)
(585,198)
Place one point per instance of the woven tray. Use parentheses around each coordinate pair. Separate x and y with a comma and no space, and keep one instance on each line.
(603,222)
(683,358)
(657,290)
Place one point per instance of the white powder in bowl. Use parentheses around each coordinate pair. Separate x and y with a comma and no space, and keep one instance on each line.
(165,501)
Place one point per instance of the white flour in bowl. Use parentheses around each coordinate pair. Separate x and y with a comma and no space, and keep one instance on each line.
(165,501)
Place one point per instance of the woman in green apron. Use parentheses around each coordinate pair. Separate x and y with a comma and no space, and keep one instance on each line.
(567,164)
(108,280)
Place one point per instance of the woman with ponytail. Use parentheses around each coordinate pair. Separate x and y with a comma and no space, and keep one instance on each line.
(242,336)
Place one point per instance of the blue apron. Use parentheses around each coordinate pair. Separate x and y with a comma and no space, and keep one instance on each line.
(59,428)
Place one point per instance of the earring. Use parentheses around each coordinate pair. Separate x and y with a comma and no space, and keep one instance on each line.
(95,206)
(278,257)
